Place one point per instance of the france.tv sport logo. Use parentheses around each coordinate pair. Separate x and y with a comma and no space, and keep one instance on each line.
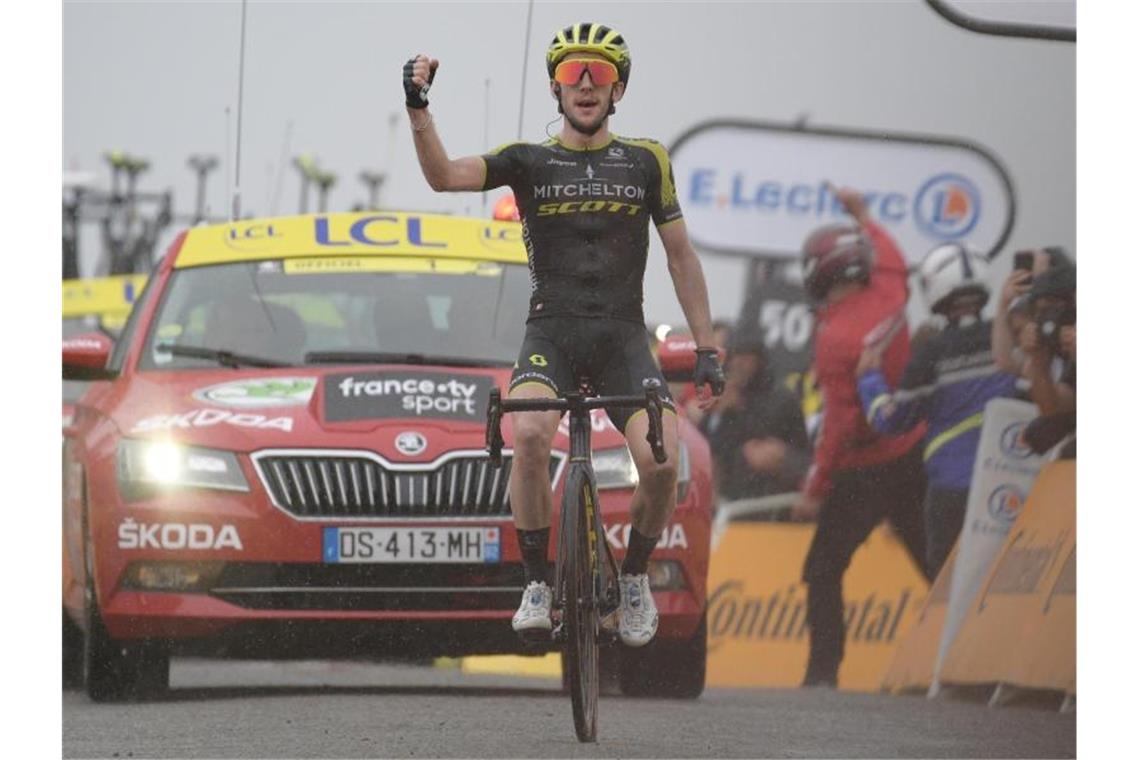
(945,206)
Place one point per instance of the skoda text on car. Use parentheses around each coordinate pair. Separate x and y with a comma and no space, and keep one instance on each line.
(283,455)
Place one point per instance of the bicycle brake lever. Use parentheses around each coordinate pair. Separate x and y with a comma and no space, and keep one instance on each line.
(494,428)
(653,407)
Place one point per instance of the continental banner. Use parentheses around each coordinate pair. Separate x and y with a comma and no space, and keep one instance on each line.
(757,607)
(912,664)
(1021,628)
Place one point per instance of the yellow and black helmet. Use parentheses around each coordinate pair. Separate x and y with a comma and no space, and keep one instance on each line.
(589,37)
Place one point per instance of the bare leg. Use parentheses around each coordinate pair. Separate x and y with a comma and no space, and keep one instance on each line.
(530,472)
(656,494)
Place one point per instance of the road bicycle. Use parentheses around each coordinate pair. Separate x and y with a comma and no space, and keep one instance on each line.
(586,573)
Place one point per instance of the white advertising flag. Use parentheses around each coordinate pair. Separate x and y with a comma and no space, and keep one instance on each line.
(761,189)
(1004,471)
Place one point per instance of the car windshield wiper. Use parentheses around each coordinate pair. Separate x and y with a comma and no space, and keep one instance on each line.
(395,357)
(220,355)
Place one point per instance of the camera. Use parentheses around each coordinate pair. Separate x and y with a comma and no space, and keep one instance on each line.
(1050,320)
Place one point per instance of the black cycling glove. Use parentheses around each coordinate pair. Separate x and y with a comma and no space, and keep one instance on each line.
(708,371)
(416,97)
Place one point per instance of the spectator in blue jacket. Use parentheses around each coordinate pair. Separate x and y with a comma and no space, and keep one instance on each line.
(948,381)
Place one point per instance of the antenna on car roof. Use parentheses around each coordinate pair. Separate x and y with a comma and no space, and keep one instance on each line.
(526,51)
(235,211)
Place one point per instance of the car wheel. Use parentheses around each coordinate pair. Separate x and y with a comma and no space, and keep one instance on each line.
(72,653)
(669,669)
(118,670)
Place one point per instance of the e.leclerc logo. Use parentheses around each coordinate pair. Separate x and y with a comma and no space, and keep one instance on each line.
(947,207)
(1012,444)
(1005,504)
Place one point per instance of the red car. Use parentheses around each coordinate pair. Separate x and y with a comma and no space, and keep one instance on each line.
(283,456)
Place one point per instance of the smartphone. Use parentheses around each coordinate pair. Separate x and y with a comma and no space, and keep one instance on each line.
(1023,260)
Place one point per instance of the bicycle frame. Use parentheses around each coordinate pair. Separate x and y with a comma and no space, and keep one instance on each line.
(581,465)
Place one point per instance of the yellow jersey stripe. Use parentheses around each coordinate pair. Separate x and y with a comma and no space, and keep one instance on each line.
(668,191)
(966,425)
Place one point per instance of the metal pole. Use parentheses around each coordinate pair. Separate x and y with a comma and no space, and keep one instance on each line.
(526,53)
(486,121)
(236,212)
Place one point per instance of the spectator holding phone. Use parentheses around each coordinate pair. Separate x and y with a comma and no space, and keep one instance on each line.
(948,381)
(1013,303)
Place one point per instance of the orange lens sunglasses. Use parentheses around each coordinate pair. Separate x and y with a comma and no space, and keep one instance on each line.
(571,70)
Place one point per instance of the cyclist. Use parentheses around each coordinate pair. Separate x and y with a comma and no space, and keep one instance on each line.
(585,198)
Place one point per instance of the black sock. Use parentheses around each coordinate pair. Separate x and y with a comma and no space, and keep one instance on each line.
(637,552)
(533,545)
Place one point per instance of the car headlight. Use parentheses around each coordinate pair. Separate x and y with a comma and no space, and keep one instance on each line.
(147,466)
(614,468)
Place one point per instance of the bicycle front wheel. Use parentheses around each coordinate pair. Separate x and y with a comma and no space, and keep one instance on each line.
(580,613)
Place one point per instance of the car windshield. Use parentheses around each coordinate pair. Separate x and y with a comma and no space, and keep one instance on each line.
(292,311)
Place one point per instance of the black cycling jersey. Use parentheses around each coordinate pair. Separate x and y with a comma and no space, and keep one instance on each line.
(585,216)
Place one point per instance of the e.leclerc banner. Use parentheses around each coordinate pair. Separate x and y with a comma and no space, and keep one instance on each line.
(760,189)
(1004,472)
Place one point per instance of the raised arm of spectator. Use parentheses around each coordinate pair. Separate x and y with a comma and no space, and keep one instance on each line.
(1002,339)
(888,257)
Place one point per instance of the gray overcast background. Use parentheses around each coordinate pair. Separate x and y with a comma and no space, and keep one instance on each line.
(154,78)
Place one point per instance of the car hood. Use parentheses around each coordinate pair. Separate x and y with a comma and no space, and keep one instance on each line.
(411,412)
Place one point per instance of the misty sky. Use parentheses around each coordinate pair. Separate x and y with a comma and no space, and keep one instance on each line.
(155,78)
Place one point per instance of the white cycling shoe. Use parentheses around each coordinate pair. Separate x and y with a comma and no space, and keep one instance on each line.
(532,621)
(638,614)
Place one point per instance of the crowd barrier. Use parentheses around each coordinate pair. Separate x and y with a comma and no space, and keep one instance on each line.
(757,606)
(1018,626)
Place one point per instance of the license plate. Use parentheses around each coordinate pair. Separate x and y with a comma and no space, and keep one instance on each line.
(399,545)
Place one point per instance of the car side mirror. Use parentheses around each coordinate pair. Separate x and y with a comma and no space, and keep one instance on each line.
(677,355)
(85,357)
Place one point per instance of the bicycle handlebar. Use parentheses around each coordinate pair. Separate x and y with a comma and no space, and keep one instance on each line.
(575,403)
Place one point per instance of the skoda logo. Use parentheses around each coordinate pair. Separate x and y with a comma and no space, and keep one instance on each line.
(1005,504)
(947,207)
(411,443)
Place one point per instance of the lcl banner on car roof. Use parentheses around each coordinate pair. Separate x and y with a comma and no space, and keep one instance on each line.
(760,189)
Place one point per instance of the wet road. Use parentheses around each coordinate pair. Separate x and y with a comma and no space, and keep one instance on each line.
(340,709)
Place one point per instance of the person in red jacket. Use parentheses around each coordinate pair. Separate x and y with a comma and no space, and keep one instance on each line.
(858,277)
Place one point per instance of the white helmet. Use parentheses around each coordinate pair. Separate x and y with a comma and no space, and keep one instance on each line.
(954,269)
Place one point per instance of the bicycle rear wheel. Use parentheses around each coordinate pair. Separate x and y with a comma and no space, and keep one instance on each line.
(580,611)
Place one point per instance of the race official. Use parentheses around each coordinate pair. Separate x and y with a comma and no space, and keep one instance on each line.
(948,382)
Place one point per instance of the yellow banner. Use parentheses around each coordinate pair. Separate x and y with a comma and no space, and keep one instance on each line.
(101,296)
(757,607)
(1021,629)
(356,234)
(912,663)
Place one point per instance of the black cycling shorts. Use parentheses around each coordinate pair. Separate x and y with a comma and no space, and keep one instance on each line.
(611,356)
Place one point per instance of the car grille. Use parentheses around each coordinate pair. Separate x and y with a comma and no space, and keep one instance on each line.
(351,485)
